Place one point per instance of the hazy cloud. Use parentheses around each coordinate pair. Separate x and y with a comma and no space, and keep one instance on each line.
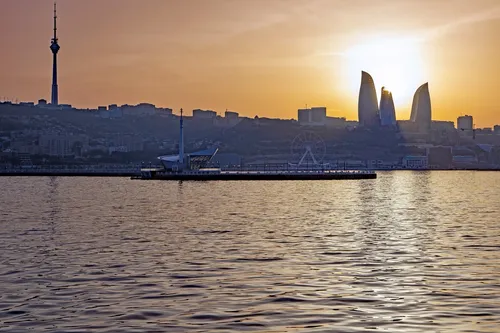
(456,24)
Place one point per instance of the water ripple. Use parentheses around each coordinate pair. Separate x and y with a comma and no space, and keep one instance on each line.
(408,252)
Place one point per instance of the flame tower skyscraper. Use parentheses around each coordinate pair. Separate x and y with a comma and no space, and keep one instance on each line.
(54,47)
(421,110)
(368,112)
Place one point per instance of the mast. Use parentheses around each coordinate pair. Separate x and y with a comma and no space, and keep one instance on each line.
(181,141)
(55,22)
(54,47)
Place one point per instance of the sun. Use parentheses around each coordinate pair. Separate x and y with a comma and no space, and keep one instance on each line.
(394,63)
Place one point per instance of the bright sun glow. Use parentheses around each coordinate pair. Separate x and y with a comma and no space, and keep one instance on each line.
(393,63)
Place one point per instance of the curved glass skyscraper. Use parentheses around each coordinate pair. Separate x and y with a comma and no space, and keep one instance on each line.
(421,112)
(387,109)
(368,113)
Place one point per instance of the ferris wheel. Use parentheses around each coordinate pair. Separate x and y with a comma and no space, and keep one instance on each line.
(308,148)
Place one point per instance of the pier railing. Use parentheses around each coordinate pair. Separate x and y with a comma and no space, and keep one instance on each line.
(71,170)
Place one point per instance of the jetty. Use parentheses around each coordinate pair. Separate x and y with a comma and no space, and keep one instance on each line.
(196,166)
(210,174)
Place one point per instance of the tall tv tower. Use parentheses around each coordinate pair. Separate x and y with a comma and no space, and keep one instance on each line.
(54,47)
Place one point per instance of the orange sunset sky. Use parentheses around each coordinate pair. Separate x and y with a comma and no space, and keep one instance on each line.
(257,57)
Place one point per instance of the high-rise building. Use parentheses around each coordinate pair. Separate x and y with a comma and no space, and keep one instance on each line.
(387,109)
(315,116)
(54,47)
(421,112)
(304,116)
(465,123)
(496,129)
(368,112)
(318,115)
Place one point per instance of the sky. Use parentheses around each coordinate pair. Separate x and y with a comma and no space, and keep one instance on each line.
(256,57)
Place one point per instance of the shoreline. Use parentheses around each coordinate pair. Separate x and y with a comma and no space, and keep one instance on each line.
(130,173)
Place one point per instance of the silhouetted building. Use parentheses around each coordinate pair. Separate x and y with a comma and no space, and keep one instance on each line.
(28,104)
(338,122)
(485,131)
(415,162)
(54,47)
(142,109)
(465,123)
(164,111)
(496,129)
(387,109)
(304,116)
(443,125)
(227,160)
(230,119)
(368,113)
(204,114)
(231,115)
(318,115)
(421,112)
(406,126)
(62,145)
(315,116)
(495,155)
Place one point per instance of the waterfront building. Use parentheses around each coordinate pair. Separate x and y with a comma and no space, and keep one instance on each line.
(387,109)
(191,161)
(496,129)
(421,112)
(459,160)
(439,157)
(368,112)
(465,123)
(415,162)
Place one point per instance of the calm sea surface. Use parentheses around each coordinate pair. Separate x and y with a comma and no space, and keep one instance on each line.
(408,252)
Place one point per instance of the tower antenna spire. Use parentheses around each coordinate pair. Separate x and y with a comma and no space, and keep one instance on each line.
(54,47)
(55,21)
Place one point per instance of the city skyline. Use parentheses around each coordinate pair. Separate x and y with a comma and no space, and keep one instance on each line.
(264,59)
